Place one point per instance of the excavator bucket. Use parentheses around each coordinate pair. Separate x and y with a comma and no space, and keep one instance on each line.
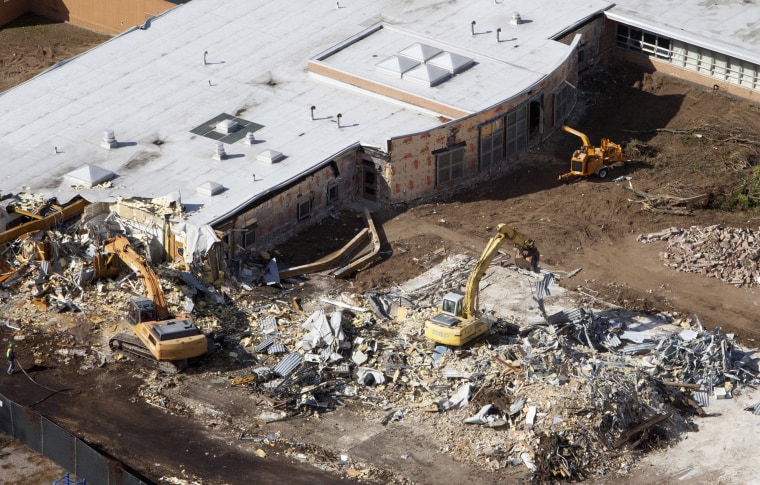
(105,265)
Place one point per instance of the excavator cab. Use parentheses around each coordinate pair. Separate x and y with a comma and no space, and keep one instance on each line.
(141,310)
(452,304)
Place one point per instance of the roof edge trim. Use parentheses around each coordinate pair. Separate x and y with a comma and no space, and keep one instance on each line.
(243,207)
(348,42)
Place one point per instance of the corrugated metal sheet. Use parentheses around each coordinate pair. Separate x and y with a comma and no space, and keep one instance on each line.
(288,364)
(564,316)
(276,348)
(639,348)
(268,325)
(262,371)
(755,408)
(637,337)
(264,344)
(702,398)
(613,340)
(542,287)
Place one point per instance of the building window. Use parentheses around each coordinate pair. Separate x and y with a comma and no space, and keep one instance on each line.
(643,41)
(304,209)
(564,100)
(491,144)
(715,65)
(332,193)
(449,165)
(249,235)
(517,131)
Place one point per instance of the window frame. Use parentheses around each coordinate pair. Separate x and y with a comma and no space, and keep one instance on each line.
(333,192)
(250,232)
(302,214)
(445,162)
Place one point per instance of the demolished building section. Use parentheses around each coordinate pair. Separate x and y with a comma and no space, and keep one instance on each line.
(555,387)
(570,394)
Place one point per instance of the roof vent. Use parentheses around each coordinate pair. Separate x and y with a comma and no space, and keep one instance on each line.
(109,140)
(219,153)
(227,126)
(88,176)
(270,156)
(210,188)
(515,19)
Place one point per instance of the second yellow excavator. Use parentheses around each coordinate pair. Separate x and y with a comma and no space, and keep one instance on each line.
(458,322)
(590,160)
(157,335)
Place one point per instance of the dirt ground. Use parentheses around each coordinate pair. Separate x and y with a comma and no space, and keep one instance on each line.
(32,44)
(686,141)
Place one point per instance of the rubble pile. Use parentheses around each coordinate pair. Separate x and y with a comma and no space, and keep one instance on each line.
(571,394)
(575,394)
(729,254)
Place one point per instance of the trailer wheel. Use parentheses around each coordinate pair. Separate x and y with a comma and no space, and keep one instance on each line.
(602,173)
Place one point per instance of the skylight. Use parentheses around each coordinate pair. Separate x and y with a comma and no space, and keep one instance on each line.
(226,128)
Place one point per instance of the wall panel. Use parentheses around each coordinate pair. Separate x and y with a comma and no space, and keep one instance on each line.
(107,16)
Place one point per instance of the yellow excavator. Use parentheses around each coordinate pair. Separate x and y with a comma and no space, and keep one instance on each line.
(458,322)
(168,339)
(590,160)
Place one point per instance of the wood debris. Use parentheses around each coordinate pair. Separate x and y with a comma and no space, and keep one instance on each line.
(664,203)
(728,254)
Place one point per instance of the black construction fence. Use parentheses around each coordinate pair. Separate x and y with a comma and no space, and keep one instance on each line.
(66,450)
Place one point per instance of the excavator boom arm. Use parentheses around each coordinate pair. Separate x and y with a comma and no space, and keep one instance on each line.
(120,246)
(503,231)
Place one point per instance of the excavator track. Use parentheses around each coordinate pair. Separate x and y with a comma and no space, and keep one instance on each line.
(132,345)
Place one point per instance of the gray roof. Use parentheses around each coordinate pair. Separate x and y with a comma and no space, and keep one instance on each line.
(728,26)
(164,104)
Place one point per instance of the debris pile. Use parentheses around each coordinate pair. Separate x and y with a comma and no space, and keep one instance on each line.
(664,203)
(575,394)
(568,394)
(728,254)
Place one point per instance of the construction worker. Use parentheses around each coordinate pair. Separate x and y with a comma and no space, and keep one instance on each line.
(11,355)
